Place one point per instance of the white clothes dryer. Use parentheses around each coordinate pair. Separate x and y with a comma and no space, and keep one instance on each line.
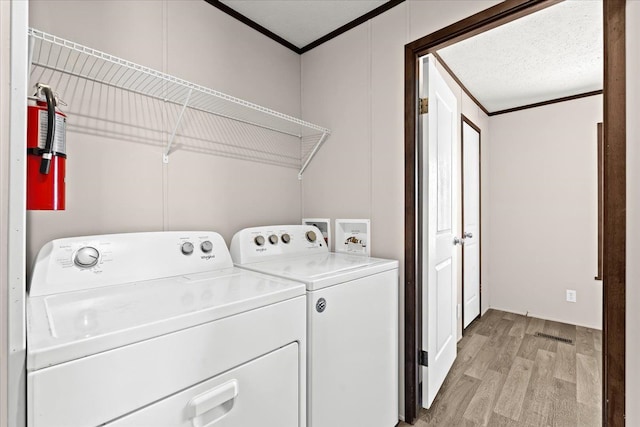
(352,322)
(160,329)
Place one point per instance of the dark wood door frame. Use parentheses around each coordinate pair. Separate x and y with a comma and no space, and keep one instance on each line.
(614,200)
(465,119)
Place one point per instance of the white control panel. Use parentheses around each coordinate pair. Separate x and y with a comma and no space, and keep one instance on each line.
(258,244)
(79,263)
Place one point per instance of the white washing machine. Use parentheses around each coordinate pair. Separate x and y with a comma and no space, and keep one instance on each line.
(352,322)
(160,329)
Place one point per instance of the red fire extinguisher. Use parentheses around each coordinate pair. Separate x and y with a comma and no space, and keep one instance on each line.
(46,152)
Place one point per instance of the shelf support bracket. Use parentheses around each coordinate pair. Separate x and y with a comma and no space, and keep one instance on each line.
(313,153)
(165,156)
(32,43)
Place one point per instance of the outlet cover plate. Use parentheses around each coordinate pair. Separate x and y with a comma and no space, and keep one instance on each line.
(571,296)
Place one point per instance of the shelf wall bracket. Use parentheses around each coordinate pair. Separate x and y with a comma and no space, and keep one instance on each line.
(313,153)
(165,157)
(32,43)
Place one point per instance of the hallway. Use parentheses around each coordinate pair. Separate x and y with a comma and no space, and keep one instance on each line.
(506,375)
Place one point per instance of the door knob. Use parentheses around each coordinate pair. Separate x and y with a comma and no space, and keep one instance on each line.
(467,235)
(458,241)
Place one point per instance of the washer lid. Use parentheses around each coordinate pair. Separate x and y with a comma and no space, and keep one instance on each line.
(320,271)
(67,326)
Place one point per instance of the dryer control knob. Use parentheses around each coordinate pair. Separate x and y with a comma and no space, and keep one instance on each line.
(86,257)
(259,240)
(206,246)
(187,248)
(285,238)
(273,239)
(311,236)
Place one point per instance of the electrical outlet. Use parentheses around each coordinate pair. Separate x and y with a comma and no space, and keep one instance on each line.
(571,295)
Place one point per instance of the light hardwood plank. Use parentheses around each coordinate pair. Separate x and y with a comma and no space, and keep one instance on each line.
(479,365)
(498,420)
(551,328)
(515,387)
(481,406)
(506,355)
(509,316)
(567,331)
(597,345)
(588,384)
(453,403)
(489,323)
(589,416)
(564,412)
(500,333)
(472,348)
(473,326)
(537,402)
(584,341)
(597,340)
(464,358)
(566,363)
(519,326)
(531,344)
(534,325)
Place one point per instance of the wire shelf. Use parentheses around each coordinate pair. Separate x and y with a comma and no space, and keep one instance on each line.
(54,54)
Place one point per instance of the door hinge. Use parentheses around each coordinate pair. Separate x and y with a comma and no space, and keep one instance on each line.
(423,358)
(424,105)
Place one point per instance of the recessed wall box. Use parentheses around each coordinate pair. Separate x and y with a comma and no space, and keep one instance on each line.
(353,236)
(323,224)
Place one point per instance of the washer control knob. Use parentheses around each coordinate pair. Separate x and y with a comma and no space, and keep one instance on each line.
(86,257)
(311,236)
(187,248)
(273,239)
(259,240)
(285,238)
(206,246)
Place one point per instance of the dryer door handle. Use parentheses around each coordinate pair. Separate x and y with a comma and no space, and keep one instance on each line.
(209,400)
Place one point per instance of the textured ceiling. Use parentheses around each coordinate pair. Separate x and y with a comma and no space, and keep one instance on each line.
(301,22)
(550,54)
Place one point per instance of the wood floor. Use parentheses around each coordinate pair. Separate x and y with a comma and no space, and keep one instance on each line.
(505,375)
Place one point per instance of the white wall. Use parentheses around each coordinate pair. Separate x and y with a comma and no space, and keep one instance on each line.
(354,84)
(543,211)
(116,180)
(633,214)
(5,120)
(13,73)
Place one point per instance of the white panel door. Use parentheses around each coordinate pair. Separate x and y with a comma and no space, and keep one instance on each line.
(470,223)
(437,184)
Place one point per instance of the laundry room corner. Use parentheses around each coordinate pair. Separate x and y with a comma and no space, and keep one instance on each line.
(216,176)
(315,213)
